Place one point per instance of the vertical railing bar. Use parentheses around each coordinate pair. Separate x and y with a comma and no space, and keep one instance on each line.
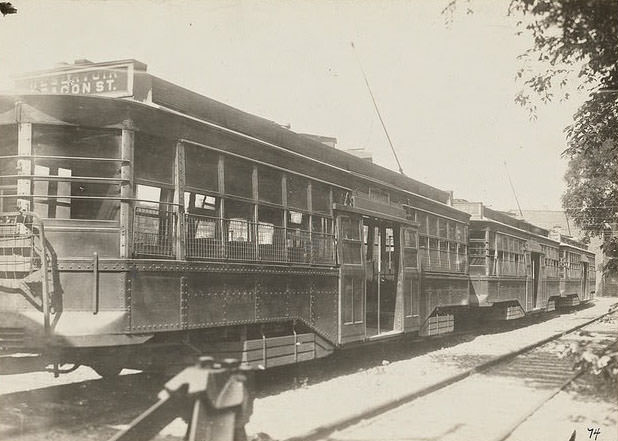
(95,283)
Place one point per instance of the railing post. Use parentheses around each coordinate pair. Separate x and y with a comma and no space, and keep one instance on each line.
(95,283)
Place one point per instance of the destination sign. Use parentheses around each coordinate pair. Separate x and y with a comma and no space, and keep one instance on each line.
(113,81)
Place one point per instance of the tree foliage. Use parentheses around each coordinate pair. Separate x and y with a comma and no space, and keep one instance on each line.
(585,358)
(579,39)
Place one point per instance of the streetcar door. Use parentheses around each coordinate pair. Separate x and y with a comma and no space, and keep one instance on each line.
(381,275)
(584,280)
(536,270)
(351,280)
(410,280)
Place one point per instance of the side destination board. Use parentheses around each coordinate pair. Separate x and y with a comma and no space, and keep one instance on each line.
(112,81)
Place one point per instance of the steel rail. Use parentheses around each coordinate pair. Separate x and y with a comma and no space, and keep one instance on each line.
(323,431)
(542,401)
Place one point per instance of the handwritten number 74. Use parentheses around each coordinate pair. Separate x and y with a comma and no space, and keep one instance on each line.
(594,431)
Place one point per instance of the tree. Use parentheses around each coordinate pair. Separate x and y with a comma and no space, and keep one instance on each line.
(581,37)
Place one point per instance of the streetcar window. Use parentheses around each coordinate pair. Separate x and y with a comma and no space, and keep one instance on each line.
(154,158)
(148,196)
(442,228)
(340,196)
(8,147)
(154,221)
(298,220)
(409,238)
(196,202)
(201,167)
(205,229)
(433,225)
(358,303)
(75,141)
(320,197)
(297,192)
(238,230)
(266,233)
(269,226)
(409,248)
(421,218)
(240,221)
(351,240)
(66,152)
(202,223)
(379,195)
(353,311)
(321,224)
(477,234)
(269,185)
(349,228)
(238,177)
(321,239)
(411,214)
(270,215)
(459,232)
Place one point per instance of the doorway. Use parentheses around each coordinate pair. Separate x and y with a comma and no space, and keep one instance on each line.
(536,279)
(584,280)
(381,271)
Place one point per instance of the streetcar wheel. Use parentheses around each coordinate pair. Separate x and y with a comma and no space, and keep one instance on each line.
(107,370)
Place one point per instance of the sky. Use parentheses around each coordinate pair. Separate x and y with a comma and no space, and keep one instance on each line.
(446,93)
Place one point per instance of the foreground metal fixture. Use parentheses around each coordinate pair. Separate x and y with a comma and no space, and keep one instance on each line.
(213,398)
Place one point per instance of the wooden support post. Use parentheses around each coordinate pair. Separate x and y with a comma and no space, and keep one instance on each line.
(284,202)
(126,192)
(256,225)
(179,199)
(222,213)
(309,258)
(24,167)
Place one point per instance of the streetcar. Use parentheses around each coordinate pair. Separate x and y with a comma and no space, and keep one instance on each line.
(517,268)
(142,223)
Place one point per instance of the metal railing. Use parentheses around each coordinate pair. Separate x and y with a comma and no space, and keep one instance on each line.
(154,232)
(17,259)
(214,238)
(24,260)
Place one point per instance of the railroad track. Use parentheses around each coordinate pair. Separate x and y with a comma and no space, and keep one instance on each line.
(96,408)
(488,401)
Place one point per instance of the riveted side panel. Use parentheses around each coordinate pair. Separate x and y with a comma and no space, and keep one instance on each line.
(219,299)
(74,290)
(300,297)
(272,299)
(155,301)
(324,306)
